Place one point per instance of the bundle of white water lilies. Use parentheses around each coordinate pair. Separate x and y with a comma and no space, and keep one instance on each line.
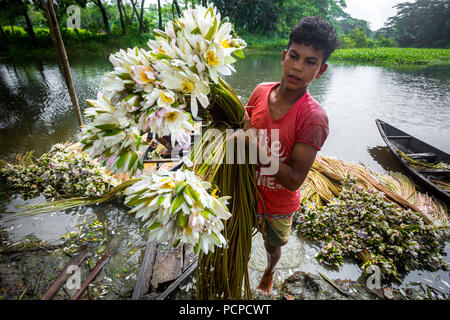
(159,90)
(162,91)
(176,206)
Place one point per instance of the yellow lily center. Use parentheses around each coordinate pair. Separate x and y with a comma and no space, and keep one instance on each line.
(172,116)
(211,58)
(187,86)
(225,43)
(166,98)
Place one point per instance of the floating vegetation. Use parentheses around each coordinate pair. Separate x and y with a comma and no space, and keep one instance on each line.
(360,223)
(324,182)
(62,171)
(398,56)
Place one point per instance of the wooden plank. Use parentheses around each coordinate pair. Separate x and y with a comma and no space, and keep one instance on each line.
(145,273)
(115,242)
(186,273)
(189,256)
(398,137)
(64,275)
(168,264)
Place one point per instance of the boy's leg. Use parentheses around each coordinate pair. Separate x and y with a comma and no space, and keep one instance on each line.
(275,232)
(273,256)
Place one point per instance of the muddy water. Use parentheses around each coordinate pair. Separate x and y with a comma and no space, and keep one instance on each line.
(35,113)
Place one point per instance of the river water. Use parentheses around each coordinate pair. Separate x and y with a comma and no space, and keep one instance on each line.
(36,112)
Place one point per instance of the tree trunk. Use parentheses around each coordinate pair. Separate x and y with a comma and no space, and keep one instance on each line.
(3,34)
(141,20)
(177,7)
(159,15)
(124,10)
(105,17)
(124,29)
(30,30)
(133,4)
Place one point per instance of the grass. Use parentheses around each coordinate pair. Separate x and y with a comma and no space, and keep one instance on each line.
(393,56)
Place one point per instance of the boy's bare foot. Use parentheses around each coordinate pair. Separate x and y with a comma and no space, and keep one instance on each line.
(265,285)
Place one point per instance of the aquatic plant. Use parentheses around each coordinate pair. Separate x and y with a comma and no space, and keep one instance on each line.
(60,172)
(402,56)
(362,224)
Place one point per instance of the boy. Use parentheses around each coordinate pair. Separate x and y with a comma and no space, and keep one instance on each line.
(302,127)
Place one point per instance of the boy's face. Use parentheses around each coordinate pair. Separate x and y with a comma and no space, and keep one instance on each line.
(301,65)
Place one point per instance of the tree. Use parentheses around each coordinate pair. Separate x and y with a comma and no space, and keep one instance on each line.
(159,15)
(122,23)
(99,4)
(423,23)
(359,38)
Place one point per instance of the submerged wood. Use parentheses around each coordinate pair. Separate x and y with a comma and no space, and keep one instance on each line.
(145,273)
(169,262)
(64,275)
(115,242)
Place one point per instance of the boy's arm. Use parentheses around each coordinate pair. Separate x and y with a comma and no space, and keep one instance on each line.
(302,158)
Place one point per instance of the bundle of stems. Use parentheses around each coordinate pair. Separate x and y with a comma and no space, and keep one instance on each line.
(222,273)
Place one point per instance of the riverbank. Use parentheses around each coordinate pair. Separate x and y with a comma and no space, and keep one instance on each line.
(103,47)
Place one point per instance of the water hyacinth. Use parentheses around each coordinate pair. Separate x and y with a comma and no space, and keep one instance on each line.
(360,223)
(176,206)
(59,172)
(159,90)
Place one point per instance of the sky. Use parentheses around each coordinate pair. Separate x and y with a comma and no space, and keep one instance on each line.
(376,12)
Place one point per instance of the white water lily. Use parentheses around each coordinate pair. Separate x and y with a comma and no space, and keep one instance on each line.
(188,83)
(172,205)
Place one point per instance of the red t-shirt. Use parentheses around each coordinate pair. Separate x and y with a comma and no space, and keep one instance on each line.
(305,122)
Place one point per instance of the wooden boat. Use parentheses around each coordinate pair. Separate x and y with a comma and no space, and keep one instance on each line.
(400,142)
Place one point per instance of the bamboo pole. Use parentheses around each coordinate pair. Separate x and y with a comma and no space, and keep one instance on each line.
(52,22)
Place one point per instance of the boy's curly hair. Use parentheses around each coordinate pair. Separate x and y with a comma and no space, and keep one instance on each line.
(317,32)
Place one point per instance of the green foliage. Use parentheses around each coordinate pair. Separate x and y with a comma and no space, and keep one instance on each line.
(423,24)
(359,38)
(407,56)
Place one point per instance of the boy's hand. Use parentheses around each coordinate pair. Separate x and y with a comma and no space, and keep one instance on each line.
(247,121)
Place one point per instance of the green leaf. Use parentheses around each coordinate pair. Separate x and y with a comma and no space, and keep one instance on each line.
(122,160)
(140,165)
(87,146)
(239,53)
(197,247)
(196,31)
(107,126)
(205,214)
(133,159)
(180,186)
(154,226)
(212,30)
(192,193)
(216,237)
(177,203)
(182,220)
(112,133)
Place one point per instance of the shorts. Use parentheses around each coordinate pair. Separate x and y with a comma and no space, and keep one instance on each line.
(276,227)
